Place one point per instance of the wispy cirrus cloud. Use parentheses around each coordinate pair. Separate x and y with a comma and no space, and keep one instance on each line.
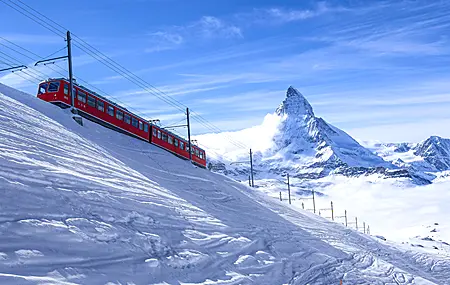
(206,28)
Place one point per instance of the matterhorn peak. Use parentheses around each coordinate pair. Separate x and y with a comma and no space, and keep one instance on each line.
(295,104)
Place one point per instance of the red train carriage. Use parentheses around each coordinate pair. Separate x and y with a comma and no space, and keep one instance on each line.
(109,114)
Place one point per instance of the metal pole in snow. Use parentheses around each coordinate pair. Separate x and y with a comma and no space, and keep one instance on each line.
(364,227)
(69,59)
(314,202)
(356,221)
(251,167)
(332,211)
(189,134)
(249,181)
(303,205)
(345,214)
(281,199)
(289,189)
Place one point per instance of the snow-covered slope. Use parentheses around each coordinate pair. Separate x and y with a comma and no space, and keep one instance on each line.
(86,205)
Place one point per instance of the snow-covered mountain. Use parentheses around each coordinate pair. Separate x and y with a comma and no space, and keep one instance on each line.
(87,205)
(312,143)
(431,155)
(308,147)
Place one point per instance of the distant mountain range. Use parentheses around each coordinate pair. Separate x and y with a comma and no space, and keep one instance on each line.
(310,148)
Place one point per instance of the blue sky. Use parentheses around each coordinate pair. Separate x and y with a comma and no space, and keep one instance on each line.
(378,70)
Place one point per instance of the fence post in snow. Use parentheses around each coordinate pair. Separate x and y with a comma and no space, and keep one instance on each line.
(249,181)
(356,221)
(281,199)
(303,205)
(368,231)
(332,211)
(364,227)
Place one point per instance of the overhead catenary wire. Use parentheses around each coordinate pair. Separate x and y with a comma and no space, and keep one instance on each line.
(39,73)
(59,30)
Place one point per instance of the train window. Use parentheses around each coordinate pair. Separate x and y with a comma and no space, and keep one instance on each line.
(43,88)
(154,132)
(127,118)
(159,134)
(146,128)
(66,89)
(53,87)
(111,111)
(119,115)
(81,97)
(134,122)
(181,145)
(201,155)
(91,101)
(164,137)
(100,106)
(175,142)
(170,140)
(196,153)
(141,125)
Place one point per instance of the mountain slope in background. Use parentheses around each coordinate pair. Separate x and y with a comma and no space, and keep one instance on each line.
(429,156)
(310,142)
(306,146)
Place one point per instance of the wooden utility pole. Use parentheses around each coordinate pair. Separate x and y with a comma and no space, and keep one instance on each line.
(289,189)
(189,134)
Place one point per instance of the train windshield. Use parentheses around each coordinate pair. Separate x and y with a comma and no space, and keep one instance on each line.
(43,88)
(53,87)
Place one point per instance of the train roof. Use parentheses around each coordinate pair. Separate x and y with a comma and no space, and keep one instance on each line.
(116,105)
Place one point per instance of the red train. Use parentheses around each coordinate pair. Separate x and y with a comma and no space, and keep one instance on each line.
(109,114)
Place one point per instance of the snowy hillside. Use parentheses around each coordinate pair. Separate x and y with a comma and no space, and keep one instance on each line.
(86,205)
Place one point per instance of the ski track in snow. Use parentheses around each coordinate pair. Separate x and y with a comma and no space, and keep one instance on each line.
(86,205)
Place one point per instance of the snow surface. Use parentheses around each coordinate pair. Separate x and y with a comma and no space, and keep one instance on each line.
(86,205)
(396,208)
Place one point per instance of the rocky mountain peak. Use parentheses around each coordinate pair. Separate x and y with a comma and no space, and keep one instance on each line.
(436,151)
(295,104)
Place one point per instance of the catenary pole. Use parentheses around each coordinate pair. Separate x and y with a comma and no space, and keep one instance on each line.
(289,188)
(251,167)
(189,133)
(69,60)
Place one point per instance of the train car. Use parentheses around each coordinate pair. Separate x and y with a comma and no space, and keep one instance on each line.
(103,111)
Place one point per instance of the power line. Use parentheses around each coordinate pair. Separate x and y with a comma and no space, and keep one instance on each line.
(30,17)
(111,64)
